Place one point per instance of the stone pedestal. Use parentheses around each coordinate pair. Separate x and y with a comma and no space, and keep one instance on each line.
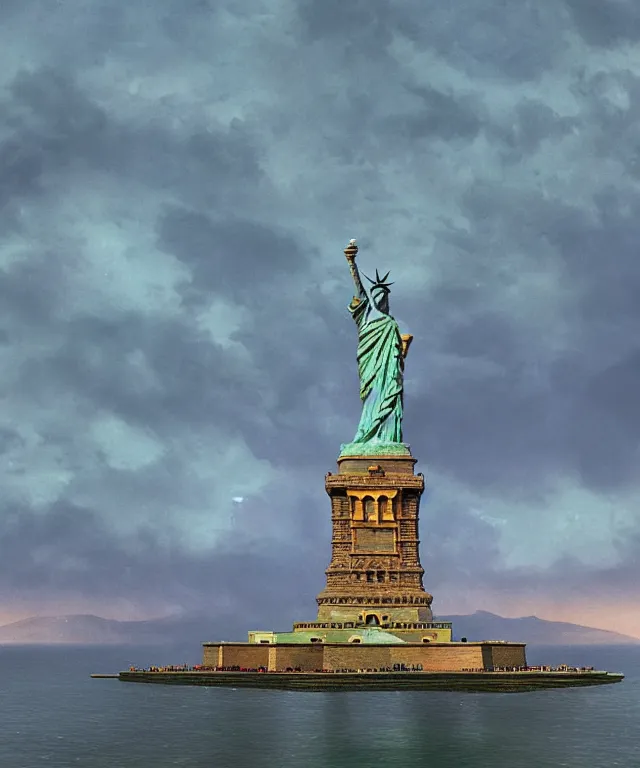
(375,577)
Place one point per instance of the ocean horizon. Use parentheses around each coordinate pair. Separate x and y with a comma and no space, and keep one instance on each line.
(55,715)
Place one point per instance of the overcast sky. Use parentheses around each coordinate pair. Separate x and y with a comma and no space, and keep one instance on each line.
(178,179)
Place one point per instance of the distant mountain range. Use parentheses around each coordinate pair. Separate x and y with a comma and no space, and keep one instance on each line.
(93,630)
(482,625)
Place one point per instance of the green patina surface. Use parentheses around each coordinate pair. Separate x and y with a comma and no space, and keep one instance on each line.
(367,636)
(374,448)
(380,361)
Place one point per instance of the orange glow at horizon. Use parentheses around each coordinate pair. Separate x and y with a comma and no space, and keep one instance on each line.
(117,610)
(615,616)
(622,617)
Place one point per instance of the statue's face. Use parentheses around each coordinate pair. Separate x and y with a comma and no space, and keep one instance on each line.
(381,301)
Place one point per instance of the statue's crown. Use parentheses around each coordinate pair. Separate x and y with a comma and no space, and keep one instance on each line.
(380,283)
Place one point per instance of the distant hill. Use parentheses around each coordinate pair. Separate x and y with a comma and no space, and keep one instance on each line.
(93,630)
(483,625)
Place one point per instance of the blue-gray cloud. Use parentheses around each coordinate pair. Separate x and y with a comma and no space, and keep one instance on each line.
(177,182)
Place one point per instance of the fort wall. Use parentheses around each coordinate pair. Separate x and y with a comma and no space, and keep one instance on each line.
(249,656)
(434,657)
(505,655)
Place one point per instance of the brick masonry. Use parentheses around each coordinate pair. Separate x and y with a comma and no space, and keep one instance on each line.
(236,655)
(444,657)
(504,655)
(375,565)
(307,658)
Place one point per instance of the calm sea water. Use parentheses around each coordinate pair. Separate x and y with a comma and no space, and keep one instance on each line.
(52,714)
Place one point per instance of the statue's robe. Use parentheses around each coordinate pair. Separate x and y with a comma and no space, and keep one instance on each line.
(380,367)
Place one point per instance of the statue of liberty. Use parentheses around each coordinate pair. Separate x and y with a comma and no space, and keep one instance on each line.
(381,353)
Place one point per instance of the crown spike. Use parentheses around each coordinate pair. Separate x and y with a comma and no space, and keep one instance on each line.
(379,282)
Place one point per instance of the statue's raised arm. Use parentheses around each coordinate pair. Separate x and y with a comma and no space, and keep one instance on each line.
(350,252)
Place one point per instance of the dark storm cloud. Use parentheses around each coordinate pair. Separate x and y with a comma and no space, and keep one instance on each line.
(440,115)
(491,431)
(606,23)
(531,123)
(290,338)
(70,546)
(606,425)
(20,169)
(360,21)
(58,129)
(96,360)
(606,281)
(239,258)
(32,289)
(461,554)
(9,439)
(177,182)
(537,415)
(513,41)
